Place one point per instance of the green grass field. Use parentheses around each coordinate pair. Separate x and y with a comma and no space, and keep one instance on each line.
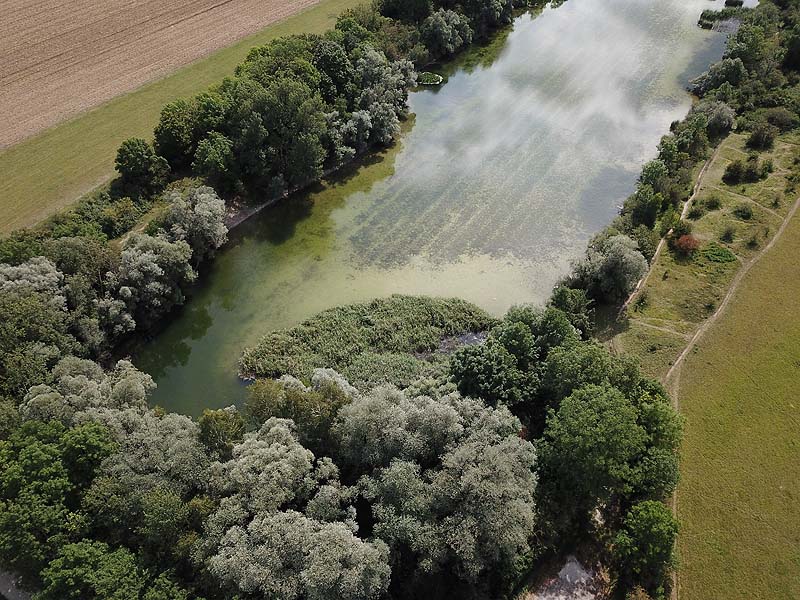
(739,496)
(51,170)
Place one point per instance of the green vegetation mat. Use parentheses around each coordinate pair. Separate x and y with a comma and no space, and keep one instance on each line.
(740,477)
(52,169)
(368,343)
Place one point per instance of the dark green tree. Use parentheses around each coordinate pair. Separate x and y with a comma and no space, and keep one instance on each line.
(644,547)
(141,170)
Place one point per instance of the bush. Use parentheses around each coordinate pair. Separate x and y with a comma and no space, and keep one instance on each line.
(718,254)
(681,228)
(728,234)
(712,202)
(734,172)
(120,217)
(763,136)
(695,212)
(142,171)
(743,211)
(748,171)
(686,245)
(647,239)
(781,117)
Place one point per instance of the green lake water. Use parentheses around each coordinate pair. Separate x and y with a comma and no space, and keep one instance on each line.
(500,178)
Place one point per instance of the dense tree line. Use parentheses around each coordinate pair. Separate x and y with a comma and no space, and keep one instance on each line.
(304,104)
(80,295)
(451,487)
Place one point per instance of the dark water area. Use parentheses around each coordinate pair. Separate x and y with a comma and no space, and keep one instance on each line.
(501,177)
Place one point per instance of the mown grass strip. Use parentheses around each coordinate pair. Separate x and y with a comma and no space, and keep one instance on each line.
(52,169)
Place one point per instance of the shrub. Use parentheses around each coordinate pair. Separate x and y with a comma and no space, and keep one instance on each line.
(686,245)
(781,117)
(120,217)
(647,239)
(743,211)
(712,202)
(668,221)
(681,228)
(749,171)
(734,172)
(728,234)
(637,593)
(696,212)
(763,136)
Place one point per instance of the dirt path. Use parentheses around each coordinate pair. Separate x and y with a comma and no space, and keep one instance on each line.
(59,58)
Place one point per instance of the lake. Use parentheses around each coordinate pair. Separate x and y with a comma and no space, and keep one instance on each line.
(500,178)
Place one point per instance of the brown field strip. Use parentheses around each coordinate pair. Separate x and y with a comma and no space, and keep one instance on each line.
(58,59)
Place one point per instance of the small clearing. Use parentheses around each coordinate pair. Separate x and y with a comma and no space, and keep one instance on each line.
(573,582)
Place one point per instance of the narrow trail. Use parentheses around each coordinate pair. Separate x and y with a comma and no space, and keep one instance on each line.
(749,201)
(659,328)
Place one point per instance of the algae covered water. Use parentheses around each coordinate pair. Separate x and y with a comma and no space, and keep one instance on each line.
(500,178)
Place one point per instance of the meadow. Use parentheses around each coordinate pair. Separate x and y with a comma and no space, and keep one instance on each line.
(681,293)
(736,388)
(740,477)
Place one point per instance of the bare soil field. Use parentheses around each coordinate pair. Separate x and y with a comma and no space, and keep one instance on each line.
(59,58)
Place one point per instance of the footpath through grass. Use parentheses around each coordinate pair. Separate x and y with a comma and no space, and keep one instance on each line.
(739,496)
(51,170)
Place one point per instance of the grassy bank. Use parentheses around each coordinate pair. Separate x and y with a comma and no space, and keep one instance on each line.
(49,171)
(682,293)
(738,498)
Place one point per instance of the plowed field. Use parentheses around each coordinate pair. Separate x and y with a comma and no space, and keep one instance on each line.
(61,57)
